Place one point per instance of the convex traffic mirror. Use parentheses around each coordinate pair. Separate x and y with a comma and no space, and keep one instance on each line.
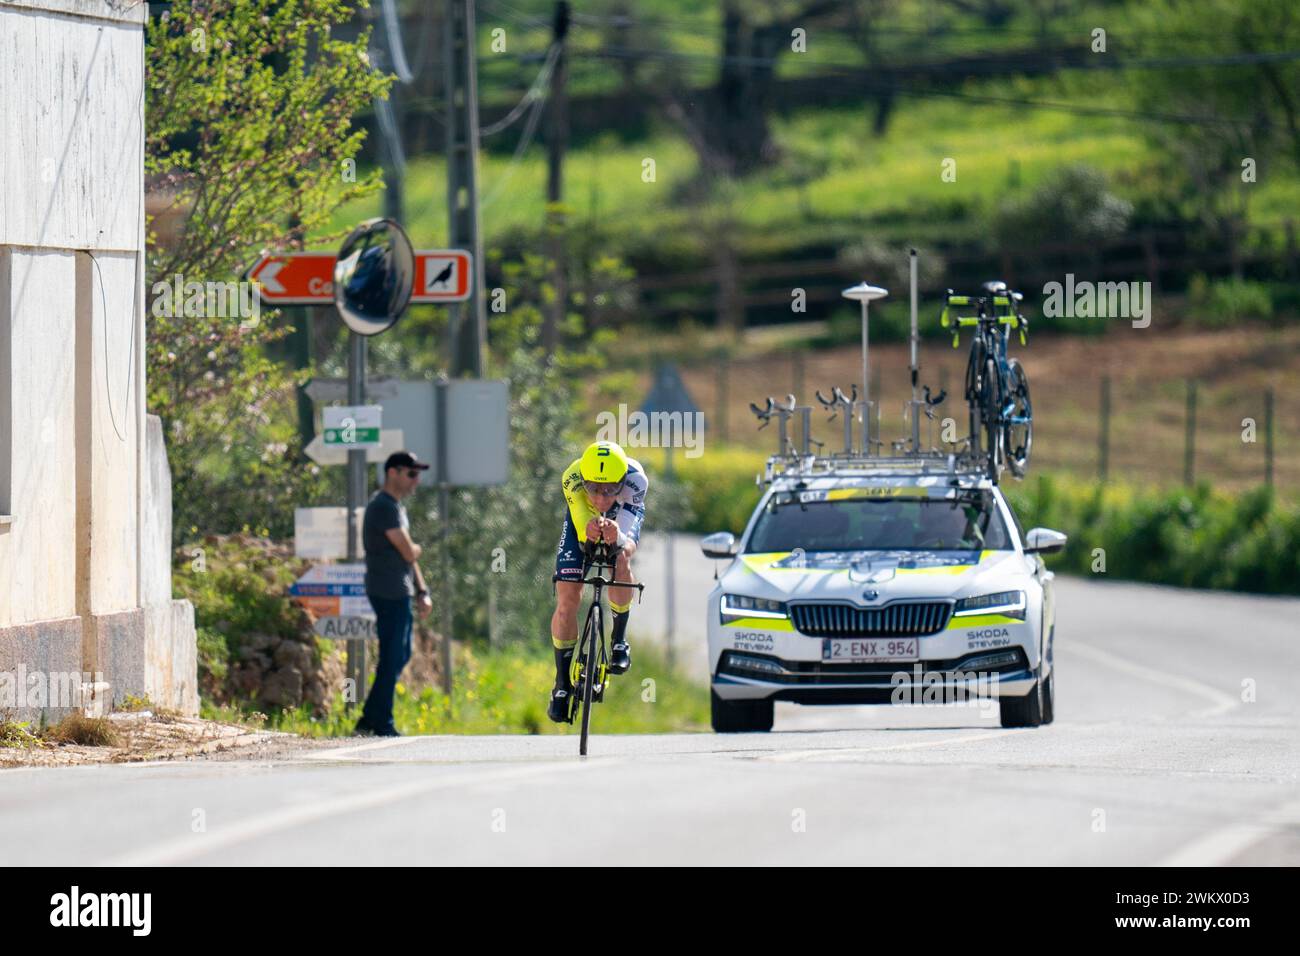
(373,276)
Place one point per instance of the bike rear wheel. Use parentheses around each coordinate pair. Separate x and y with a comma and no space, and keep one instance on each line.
(592,635)
(1018,433)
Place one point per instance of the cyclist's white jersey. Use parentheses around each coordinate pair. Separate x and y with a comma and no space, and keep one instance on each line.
(628,508)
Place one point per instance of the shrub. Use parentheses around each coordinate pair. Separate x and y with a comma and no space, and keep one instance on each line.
(1216,303)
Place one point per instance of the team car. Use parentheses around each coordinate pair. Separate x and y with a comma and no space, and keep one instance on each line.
(864,585)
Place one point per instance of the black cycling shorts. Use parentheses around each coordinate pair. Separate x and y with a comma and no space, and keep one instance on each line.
(569,561)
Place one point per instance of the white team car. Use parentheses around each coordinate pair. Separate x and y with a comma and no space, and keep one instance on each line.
(862,589)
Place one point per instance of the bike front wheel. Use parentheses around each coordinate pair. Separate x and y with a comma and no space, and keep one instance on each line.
(990,413)
(591,640)
(1018,426)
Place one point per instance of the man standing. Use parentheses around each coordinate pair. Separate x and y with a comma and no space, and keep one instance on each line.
(392,578)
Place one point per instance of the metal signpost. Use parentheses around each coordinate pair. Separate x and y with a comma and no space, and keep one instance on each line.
(371,280)
(372,284)
(668,396)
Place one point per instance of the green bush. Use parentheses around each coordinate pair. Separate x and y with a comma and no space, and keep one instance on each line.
(1187,537)
(239,586)
(720,488)
(1216,303)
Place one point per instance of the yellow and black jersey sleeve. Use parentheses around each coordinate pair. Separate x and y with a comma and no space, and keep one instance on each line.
(575,496)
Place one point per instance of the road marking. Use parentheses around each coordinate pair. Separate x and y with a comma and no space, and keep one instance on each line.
(845,751)
(341,752)
(266,824)
(1222,702)
(1221,846)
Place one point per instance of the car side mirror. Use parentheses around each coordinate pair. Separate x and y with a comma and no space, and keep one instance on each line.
(722,544)
(1044,541)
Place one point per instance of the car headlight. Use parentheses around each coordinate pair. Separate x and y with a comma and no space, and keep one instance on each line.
(737,606)
(1006,603)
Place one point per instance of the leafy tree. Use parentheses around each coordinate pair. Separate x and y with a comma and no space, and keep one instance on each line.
(1244,111)
(250,140)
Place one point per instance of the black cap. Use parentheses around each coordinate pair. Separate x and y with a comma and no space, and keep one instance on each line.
(404,459)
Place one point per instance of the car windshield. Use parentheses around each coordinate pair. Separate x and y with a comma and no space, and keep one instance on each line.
(873,523)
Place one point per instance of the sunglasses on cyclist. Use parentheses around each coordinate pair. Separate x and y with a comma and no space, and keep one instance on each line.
(603,487)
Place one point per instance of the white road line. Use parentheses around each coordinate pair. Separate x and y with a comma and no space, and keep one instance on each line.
(342,752)
(1221,846)
(1222,702)
(834,752)
(250,828)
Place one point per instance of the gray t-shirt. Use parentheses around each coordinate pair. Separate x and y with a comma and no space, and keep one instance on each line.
(387,573)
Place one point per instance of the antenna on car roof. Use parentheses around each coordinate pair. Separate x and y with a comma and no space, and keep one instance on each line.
(865,293)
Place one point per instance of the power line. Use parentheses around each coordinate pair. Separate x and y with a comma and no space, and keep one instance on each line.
(518,17)
(534,91)
(393,30)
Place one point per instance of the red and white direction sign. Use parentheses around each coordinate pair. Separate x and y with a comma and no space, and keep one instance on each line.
(307,278)
(442,275)
(295,278)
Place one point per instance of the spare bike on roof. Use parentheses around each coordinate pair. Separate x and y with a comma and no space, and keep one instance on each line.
(997,388)
(997,394)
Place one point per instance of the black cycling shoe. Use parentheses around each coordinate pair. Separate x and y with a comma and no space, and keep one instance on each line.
(558,709)
(620,658)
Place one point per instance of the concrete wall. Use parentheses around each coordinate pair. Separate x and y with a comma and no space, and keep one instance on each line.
(72,92)
(77,497)
(37,553)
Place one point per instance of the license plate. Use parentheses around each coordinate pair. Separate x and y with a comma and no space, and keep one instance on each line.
(871,649)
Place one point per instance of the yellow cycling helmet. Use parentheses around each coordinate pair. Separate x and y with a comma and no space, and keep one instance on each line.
(604,465)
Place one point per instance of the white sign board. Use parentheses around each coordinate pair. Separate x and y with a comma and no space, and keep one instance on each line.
(478,432)
(378,390)
(323,532)
(346,628)
(411,410)
(355,426)
(331,580)
(390,440)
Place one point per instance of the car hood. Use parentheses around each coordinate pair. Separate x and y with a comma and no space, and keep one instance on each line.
(871,577)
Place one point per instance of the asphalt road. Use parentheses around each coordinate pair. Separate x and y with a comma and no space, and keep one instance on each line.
(1154,758)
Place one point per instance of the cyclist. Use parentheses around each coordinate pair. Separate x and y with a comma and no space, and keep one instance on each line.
(605,493)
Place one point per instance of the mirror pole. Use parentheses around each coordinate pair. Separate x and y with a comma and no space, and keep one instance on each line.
(356,487)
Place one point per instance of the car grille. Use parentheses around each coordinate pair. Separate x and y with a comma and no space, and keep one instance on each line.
(894,620)
(811,673)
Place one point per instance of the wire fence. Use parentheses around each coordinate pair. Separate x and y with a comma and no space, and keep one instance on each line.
(1234,426)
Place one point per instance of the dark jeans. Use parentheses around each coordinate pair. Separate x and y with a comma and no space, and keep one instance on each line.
(393,622)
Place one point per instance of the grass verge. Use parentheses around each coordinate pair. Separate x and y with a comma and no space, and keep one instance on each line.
(505,692)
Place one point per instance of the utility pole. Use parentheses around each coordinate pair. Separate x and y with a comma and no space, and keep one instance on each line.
(468,321)
(557,141)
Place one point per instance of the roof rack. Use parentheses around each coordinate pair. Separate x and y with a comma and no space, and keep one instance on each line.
(956,467)
(863,454)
